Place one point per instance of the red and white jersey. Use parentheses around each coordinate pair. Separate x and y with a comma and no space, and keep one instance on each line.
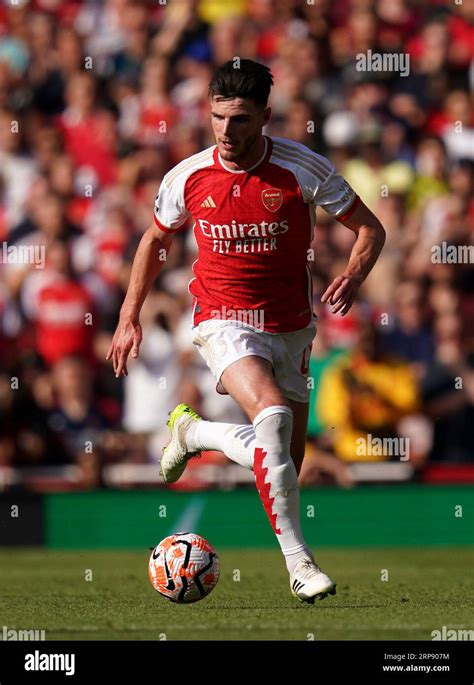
(253,229)
(60,317)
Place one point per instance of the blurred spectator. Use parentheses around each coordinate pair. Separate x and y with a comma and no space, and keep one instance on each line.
(61,310)
(319,465)
(364,396)
(448,392)
(76,417)
(25,437)
(89,132)
(410,338)
(17,170)
(151,386)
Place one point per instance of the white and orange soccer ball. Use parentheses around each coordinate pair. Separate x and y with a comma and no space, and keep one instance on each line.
(184,567)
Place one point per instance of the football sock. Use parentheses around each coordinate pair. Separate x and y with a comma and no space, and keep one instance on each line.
(236,441)
(277,481)
(265,449)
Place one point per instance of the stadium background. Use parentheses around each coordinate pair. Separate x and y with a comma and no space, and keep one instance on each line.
(97,101)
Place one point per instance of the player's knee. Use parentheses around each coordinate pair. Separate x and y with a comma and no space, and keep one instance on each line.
(282,425)
(273,429)
(273,426)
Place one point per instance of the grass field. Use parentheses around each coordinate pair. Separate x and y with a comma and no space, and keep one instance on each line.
(426,589)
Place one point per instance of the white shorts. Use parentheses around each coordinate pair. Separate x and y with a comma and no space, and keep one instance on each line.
(222,342)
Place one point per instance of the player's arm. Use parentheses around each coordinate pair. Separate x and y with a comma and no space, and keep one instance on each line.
(366,249)
(169,214)
(339,200)
(145,268)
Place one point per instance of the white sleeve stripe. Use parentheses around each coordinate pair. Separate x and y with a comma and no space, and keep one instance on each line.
(195,160)
(314,159)
(311,161)
(298,161)
(311,157)
(192,158)
(172,175)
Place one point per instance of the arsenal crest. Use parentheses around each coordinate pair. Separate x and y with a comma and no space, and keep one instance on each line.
(272,199)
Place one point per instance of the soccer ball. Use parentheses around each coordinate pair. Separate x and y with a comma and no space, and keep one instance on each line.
(184,568)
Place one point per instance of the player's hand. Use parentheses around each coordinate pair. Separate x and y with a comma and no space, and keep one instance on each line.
(127,338)
(341,294)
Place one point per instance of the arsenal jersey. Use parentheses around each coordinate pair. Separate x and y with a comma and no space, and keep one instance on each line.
(253,229)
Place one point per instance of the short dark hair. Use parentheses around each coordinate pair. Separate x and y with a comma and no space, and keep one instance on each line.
(242,78)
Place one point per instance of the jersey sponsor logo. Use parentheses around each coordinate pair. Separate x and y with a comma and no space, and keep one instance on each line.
(272,199)
(235,230)
(208,202)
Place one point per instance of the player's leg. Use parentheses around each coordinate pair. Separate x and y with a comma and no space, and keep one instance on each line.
(251,382)
(260,396)
(221,345)
(237,441)
(290,355)
(268,451)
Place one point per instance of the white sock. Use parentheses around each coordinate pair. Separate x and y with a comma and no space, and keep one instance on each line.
(277,481)
(236,441)
(269,441)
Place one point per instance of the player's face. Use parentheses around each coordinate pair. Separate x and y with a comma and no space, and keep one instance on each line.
(237,126)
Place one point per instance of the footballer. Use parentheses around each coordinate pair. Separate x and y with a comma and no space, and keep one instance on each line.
(253,200)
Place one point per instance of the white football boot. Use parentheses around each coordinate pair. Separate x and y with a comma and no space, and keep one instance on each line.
(308,582)
(176,455)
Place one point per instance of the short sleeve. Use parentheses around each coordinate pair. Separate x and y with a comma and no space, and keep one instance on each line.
(170,211)
(336,196)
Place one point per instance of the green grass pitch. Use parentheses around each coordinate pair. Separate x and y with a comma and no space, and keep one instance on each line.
(426,589)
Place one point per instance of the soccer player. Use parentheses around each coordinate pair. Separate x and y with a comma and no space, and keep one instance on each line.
(253,200)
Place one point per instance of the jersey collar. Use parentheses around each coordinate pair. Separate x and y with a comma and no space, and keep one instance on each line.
(254,166)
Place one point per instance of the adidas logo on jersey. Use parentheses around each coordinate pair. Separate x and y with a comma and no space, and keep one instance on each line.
(208,202)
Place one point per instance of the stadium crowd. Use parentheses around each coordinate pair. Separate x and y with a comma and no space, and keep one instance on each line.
(98,99)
